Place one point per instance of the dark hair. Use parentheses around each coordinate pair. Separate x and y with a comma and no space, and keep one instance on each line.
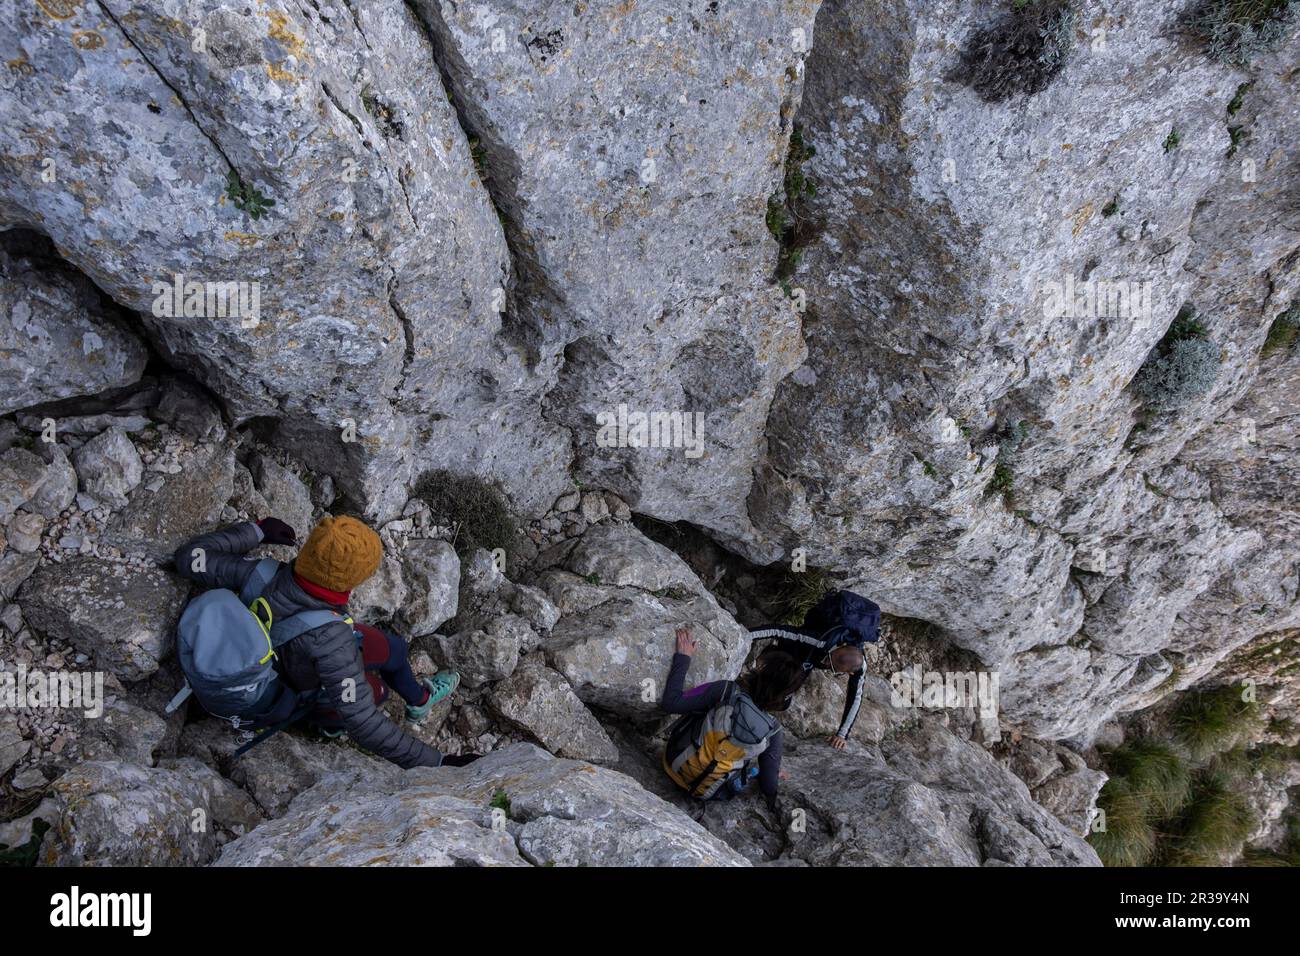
(775,678)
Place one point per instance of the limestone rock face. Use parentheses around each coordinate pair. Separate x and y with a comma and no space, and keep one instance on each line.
(632,151)
(559,812)
(947,227)
(390,334)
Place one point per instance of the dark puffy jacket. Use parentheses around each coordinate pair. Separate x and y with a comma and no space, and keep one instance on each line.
(326,657)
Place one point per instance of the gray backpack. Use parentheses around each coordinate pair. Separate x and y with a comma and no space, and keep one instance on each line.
(708,750)
(227,644)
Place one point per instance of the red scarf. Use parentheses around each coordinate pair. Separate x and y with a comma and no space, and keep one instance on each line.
(339,598)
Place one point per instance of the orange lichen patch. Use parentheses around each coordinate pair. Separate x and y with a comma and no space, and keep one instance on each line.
(87,40)
(59,9)
(280,75)
(1081,218)
(245,239)
(21,65)
(281,33)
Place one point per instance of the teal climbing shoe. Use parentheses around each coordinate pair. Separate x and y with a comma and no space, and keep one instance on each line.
(441,685)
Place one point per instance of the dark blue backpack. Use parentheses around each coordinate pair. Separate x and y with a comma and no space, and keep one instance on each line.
(842,617)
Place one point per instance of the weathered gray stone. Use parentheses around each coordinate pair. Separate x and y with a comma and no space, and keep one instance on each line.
(15,568)
(186,407)
(13,747)
(432,574)
(1072,797)
(561,812)
(275,772)
(616,650)
(532,605)
(123,732)
(189,502)
(121,615)
(113,813)
(59,489)
(391,323)
(540,702)
(382,595)
(56,337)
(284,493)
(22,473)
(482,656)
(24,532)
(648,264)
(109,467)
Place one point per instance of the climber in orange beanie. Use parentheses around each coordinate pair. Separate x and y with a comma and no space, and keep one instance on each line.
(329,661)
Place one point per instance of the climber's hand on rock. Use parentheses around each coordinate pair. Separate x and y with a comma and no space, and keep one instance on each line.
(685,643)
(275,531)
(837,742)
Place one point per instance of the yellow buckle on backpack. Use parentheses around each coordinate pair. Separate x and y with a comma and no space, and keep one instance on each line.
(255,607)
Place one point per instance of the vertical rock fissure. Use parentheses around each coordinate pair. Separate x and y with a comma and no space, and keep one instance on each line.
(530,290)
(167,83)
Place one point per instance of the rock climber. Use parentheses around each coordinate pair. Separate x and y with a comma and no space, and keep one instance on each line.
(831,638)
(728,735)
(342,661)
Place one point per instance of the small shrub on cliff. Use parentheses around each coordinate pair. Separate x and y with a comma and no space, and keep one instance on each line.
(1181,368)
(1155,772)
(1183,801)
(784,222)
(1237,31)
(247,199)
(1282,334)
(1217,821)
(1208,722)
(1129,838)
(1022,52)
(476,511)
(798,593)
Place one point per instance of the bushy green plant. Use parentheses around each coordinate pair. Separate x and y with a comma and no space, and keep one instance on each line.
(1217,821)
(798,593)
(1156,773)
(792,231)
(1182,367)
(476,511)
(1209,722)
(1237,31)
(1128,839)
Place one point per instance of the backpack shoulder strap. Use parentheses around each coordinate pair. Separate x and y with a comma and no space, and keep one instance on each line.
(258,580)
(286,629)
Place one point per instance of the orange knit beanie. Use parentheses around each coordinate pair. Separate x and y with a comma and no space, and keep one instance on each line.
(339,554)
